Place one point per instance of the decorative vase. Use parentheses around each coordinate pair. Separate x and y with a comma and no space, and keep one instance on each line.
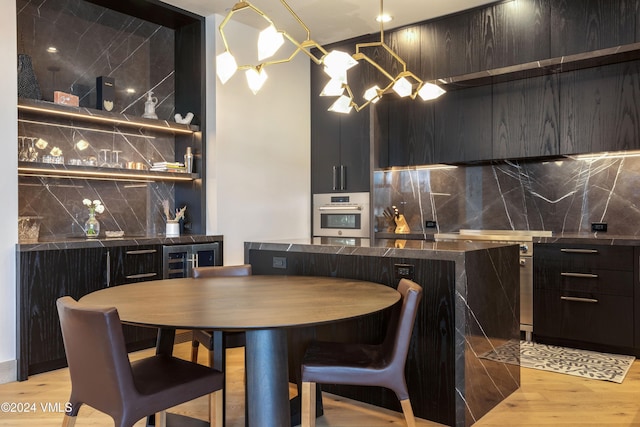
(173,229)
(92,226)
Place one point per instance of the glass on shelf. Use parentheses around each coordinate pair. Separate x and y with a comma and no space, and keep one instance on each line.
(32,153)
(115,161)
(103,158)
(22,150)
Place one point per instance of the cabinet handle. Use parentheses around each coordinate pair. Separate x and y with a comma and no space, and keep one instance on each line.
(108,269)
(141,252)
(141,275)
(343,177)
(579,251)
(335,178)
(576,299)
(582,275)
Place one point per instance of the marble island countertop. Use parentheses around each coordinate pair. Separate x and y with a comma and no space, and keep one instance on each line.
(82,243)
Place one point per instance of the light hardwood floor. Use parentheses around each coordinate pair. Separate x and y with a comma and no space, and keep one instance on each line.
(545,399)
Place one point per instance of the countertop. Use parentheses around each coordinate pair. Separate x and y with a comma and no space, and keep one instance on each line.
(598,238)
(80,243)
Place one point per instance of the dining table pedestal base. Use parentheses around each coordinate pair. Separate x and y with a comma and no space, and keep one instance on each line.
(267,379)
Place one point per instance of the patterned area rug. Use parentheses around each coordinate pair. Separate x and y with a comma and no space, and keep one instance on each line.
(581,363)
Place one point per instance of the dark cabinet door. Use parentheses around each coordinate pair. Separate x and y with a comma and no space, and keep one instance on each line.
(45,276)
(339,142)
(463,125)
(410,131)
(600,109)
(526,118)
(132,264)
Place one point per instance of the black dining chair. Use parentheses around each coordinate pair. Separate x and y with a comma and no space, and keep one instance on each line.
(217,342)
(365,364)
(103,377)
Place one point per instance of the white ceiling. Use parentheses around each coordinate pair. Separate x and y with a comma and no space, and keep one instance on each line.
(334,20)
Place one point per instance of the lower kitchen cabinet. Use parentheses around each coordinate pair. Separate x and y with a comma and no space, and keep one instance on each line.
(45,276)
(584,296)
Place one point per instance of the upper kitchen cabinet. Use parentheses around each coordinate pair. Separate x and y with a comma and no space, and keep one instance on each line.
(463,125)
(585,26)
(606,98)
(526,118)
(144,46)
(340,154)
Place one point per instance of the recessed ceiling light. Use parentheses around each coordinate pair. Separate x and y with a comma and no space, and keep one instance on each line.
(384,18)
(131,90)
(52,49)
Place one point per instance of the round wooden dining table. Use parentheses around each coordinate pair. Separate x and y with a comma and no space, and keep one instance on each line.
(262,306)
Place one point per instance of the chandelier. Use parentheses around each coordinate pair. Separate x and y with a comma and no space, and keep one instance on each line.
(336,63)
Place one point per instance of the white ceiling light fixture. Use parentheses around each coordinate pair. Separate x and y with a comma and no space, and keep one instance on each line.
(342,105)
(256,79)
(269,41)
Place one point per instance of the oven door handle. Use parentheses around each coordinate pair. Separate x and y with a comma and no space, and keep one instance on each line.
(340,208)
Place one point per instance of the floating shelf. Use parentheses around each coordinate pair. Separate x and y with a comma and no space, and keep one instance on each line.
(99,116)
(108,174)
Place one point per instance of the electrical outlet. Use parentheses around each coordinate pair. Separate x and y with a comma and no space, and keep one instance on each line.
(599,226)
(404,271)
(430,224)
(279,262)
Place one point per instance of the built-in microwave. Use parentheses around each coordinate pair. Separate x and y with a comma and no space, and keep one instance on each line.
(341,215)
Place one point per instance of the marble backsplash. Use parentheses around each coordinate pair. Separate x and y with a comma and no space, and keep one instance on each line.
(563,196)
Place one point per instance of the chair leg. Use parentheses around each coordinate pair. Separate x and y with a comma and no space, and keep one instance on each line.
(408,412)
(215,409)
(308,398)
(161,419)
(68,421)
(194,351)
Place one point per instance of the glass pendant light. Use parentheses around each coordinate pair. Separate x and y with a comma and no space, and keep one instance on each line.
(333,88)
(430,91)
(269,41)
(342,105)
(336,63)
(402,87)
(226,66)
(255,79)
(372,94)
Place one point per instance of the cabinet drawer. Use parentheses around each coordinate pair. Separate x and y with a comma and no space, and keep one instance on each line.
(585,258)
(595,281)
(594,318)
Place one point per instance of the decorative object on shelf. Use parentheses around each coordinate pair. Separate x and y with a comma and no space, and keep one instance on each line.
(402,82)
(28,229)
(92,226)
(27,82)
(188,161)
(184,121)
(173,224)
(106,91)
(150,106)
(64,98)
(114,234)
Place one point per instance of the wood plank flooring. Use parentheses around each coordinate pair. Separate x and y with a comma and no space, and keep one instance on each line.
(544,399)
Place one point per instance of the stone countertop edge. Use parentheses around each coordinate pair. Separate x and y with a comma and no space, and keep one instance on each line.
(114,242)
(452,251)
(590,239)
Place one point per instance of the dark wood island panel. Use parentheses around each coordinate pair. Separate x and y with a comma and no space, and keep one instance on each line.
(470,306)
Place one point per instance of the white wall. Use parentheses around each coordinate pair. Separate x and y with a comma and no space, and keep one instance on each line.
(8,191)
(258,159)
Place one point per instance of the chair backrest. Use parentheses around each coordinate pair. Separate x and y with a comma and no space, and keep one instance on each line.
(221,271)
(99,366)
(400,329)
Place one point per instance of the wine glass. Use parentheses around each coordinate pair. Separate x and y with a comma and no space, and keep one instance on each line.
(22,153)
(115,162)
(103,158)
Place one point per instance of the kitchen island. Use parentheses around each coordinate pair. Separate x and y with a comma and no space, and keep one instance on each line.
(470,306)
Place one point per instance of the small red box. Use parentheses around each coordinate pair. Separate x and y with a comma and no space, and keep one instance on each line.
(65,98)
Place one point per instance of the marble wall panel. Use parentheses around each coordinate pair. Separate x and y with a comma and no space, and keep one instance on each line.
(92,41)
(563,196)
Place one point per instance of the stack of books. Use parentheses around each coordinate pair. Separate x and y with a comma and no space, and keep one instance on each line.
(168,167)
